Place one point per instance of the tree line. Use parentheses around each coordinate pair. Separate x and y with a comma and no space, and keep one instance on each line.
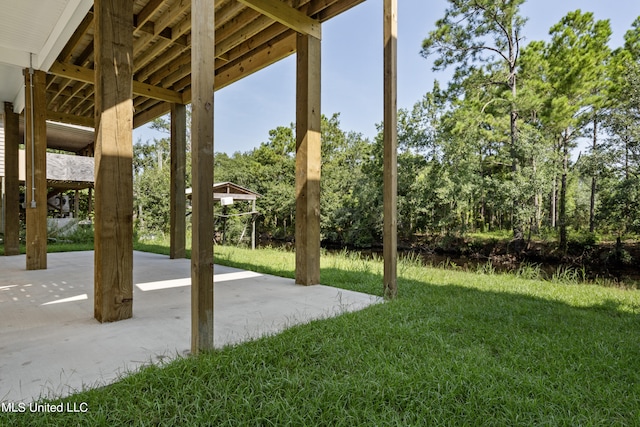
(527,138)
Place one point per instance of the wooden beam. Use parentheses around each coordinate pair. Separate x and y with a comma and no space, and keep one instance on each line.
(87,75)
(336,8)
(78,92)
(151,54)
(286,15)
(227,29)
(268,36)
(36,169)
(308,161)
(227,12)
(166,61)
(281,48)
(177,63)
(147,13)
(244,33)
(113,41)
(178,167)
(11,181)
(152,113)
(78,34)
(56,116)
(174,10)
(203,63)
(390,136)
(250,51)
(156,92)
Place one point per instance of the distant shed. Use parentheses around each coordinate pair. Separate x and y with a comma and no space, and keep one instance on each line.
(227,192)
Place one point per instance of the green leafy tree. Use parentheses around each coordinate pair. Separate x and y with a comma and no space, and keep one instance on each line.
(577,55)
(343,154)
(151,185)
(486,32)
(620,205)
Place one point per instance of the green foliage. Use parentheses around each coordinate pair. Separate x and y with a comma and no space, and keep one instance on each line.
(270,171)
(344,213)
(151,188)
(482,39)
(620,206)
(76,232)
(463,35)
(492,151)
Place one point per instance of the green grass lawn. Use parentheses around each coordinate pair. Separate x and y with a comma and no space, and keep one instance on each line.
(455,348)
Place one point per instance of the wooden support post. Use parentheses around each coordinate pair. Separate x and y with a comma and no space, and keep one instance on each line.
(203,65)
(89,202)
(178,165)
(76,204)
(390,134)
(308,161)
(35,126)
(113,46)
(253,224)
(11,182)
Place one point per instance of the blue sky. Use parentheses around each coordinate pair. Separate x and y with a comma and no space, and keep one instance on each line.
(352,68)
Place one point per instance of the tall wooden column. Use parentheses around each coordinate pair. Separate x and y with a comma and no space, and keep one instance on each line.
(390,134)
(35,127)
(202,76)
(178,166)
(308,160)
(76,204)
(113,46)
(11,182)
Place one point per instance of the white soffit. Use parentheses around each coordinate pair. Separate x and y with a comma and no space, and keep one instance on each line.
(38,27)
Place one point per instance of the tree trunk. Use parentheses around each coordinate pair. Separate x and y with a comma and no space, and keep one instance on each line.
(552,204)
(626,159)
(518,229)
(535,226)
(563,197)
(553,215)
(592,204)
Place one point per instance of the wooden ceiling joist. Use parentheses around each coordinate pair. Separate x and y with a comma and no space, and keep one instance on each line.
(249,35)
(87,75)
(65,55)
(140,118)
(173,54)
(146,13)
(286,15)
(70,118)
(180,8)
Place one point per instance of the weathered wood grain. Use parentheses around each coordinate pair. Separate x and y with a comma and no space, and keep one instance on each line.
(308,159)
(113,153)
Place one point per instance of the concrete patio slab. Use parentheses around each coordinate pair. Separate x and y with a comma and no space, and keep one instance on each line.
(50,344)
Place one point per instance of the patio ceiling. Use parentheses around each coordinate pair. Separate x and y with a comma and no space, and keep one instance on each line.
(248,38)
(33,32)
